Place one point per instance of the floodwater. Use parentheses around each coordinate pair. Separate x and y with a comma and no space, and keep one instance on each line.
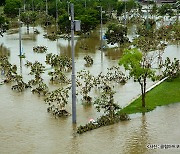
(26,127)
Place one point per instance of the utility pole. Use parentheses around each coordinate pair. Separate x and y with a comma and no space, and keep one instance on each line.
(73,68)
(56,17)
(101,27)
(125,13)
(101,30)
(101,33)
(46,8)
(24,5)
(20,52)
(147,22)
(68,7)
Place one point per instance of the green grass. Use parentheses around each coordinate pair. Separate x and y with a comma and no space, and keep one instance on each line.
(164,94)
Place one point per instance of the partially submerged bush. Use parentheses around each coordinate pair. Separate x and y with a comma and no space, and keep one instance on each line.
(40,49)
(42,88)
(7,69)
(57,101)
(172,68)
(104,120)
(21,85)
(89,61)
(63,63)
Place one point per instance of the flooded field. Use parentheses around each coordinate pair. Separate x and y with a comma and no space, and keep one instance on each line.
(26,127)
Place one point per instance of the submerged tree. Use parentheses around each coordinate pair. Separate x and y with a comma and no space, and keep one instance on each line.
(42,88)
(8,69)
(11,7)
(140,69)
(172,68)
(57,101)
(3,25)
(36,69)
(62,63)
(87,84)
(89,61)
(28,17)
(116,34)
(106,102)
(21,85)
(58,76)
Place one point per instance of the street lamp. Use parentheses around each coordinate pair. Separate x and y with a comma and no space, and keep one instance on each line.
(73,67)
(147,22)
(68,7)
(101,27)
(75,25)
(56,17)
(125,12)
(46,8)
(24,5)
(20,51)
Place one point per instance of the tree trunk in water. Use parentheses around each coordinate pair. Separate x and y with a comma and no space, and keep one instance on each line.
(143,92)
(27,28)
(143,100)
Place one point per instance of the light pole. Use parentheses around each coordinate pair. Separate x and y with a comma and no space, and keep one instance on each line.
(20,52)
(125,12)
(147,22)
(68,7)
(24,5)
(46,8)
(56,17)
(73,68)
(101,28)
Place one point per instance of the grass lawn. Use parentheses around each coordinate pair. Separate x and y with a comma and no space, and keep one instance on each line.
(164,94)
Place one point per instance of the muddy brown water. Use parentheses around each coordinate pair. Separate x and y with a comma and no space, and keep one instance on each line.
(26,127)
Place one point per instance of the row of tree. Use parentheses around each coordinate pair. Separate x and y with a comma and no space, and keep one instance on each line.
(85,10)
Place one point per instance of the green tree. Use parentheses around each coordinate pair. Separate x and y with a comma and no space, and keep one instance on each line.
(166,9)
(172,68)
(140,68)
(108,5)
(2,2)
(116,33)
(177,7)
(120,8)
(3,25)
(64,23)
(28,18)
(154,10)
(128,5)
(11,8)
(87,23)
(106,102)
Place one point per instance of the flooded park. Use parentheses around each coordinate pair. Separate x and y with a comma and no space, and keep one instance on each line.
(26,124)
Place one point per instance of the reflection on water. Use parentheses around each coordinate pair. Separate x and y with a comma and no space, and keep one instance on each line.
(139,138)
(84,46)
(26,127)
(113,54)
(4,51)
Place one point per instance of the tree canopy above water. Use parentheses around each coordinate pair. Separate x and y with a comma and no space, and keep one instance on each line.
(11,8)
